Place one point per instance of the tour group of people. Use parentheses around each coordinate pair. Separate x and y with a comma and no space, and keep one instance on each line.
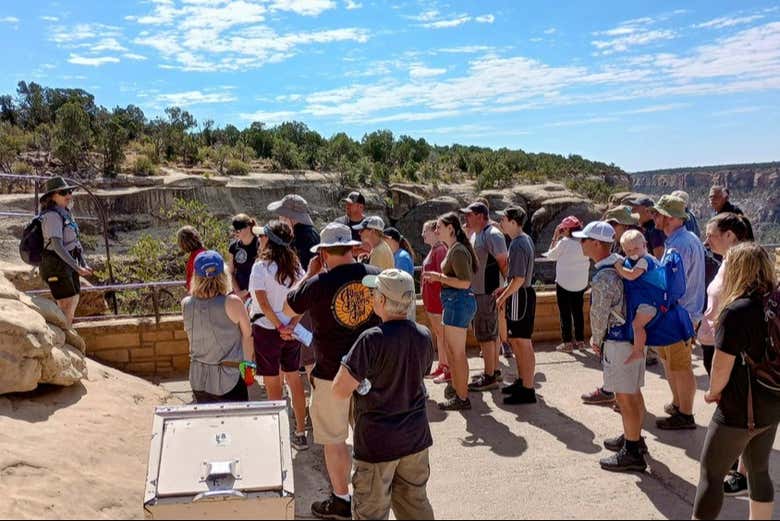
(339,306)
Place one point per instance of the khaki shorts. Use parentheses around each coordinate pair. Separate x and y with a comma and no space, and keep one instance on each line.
(678,357)
(329,416)
(620,377)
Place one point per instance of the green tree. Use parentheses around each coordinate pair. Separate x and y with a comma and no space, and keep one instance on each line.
(110,138)
(341,148)
(286,154)
(13,141)
(72,136)
(260,139)
(378,146)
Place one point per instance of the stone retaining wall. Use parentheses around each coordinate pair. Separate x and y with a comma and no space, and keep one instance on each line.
(143,348)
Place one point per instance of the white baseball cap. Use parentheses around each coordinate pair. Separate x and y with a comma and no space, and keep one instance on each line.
(597,231)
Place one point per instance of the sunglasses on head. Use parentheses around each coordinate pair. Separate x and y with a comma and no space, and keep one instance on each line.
(65,193)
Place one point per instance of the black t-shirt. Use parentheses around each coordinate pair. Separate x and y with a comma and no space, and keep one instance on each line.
(347,222)
(743,328)
(341,308)
(305,237)
(244,256)
(391,421)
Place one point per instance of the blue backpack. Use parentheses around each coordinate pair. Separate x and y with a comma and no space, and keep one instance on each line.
(662,287)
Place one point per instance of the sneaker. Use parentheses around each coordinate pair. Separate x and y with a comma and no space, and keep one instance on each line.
(498,376)
(300,442)
(440,370)
(568,348)
(671,409)
(443,379)
(521,397)
(332,508)
(676,422)
(598,397)
(483,383)
(581,346)
(513,388)
(449,392)
(506,350)
(615,444)
(652,358)
(456,404)
(735,484)
(624,461)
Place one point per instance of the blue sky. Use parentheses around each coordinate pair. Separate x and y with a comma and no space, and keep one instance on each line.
(642,84)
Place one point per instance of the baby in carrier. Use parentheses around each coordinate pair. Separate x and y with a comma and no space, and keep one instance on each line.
(642,296)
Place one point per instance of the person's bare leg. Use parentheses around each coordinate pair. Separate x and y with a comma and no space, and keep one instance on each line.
(632,409)
(761,511)
(68,307)
(273,386)
(298,399)
(490,355)
(339,463)
(685,385)
(640,333)
(525,358)
(455,340)
(438,331)
(670,381)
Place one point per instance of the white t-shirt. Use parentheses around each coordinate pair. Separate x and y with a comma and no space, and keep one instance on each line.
(263,278)
(572,271)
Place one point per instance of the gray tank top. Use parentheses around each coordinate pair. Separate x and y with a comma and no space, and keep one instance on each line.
(214,339)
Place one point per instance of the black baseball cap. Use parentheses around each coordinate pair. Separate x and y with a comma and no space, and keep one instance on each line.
(480,208)
(355,198)
(641,201)
(394,234)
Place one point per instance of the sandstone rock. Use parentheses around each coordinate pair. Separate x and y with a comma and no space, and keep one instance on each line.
(23,331)
(8,290)
(74,339)
(18,374)
(411,224)
(50,311)
(403,202)
(66,366)
(57,335)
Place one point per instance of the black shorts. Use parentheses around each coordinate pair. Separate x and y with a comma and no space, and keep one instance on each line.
(63,281)
(521,314)
(273,353)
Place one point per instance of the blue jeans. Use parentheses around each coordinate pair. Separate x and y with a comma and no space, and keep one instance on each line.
(460,306)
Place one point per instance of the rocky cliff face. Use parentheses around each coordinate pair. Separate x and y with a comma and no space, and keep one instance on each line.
(754,188)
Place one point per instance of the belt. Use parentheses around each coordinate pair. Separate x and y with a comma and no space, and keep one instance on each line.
(228,363)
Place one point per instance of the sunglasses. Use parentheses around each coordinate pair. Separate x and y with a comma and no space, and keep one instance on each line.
(65,193)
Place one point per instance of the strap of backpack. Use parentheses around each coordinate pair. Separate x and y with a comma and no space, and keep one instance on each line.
(751,412)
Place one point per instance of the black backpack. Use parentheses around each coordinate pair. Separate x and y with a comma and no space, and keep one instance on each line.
(766,372)
(31,246)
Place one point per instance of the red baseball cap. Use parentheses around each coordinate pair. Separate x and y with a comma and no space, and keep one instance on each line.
(571,222)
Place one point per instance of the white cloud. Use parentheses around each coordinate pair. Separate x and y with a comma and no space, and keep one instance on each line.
(76,59)
(268,117)
(485,19)
(106,45)
(304,7)
(434,19)
(723,22)
(421,71)
(352,4)
(9,20)
(466,49)
(739,110)
(656,108)
(631,38)
(581,122)
(551,30)
(448,24)
(135,57)
(50,19)
(195,97)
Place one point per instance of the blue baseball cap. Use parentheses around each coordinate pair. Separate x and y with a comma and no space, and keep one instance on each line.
(209,264)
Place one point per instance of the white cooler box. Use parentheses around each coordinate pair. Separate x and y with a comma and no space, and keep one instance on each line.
(224,461)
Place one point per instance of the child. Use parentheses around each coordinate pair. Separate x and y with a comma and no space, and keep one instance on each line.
(635,247)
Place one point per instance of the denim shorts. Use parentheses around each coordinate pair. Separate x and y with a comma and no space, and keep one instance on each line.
(460,306)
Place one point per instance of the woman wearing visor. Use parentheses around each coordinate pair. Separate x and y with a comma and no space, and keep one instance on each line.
(242,254)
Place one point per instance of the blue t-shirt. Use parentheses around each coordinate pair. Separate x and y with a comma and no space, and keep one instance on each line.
(403,261)
(691,250)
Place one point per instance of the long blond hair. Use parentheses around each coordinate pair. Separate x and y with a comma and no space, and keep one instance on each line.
(749,271)
(206,288)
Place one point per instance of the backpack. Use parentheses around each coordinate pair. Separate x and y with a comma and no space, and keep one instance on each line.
(766,372)
(31,246)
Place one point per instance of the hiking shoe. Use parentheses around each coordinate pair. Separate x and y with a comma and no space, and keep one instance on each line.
(300,442)
(483,383)
(568,348)
(677,422)
(513,388)
(443,379)
(652,358)
(615,444)
(624,461)
(332,508)
(498,376)
(506,350)
(735,484)
(456,404)
(671,409)
(449,392)
(440,370)
(598,397)
(521,397)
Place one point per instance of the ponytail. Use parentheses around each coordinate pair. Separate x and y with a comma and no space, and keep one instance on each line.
(405,245)
(739,225)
